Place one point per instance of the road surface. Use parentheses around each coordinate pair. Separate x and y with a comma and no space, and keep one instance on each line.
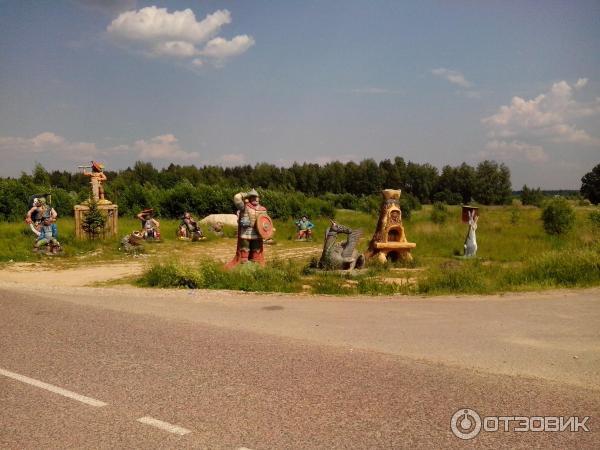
(137,368)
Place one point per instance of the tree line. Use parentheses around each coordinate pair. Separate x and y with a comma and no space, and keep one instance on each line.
(341,185)
(487,183)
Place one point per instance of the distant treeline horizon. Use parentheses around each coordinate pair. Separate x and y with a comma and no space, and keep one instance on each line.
(488,182)
(301,188)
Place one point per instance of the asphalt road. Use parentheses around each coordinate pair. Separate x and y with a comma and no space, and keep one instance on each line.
(231,370)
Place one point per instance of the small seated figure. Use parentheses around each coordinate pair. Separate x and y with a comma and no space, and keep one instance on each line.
(189,229)
(46,240)
(150,226)
(304,229)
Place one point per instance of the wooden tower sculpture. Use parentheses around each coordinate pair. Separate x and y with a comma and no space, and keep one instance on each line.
(389,242)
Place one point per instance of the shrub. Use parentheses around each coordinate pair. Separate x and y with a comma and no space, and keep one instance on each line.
(533,197)
(558,216)
(408,204)
(439,213)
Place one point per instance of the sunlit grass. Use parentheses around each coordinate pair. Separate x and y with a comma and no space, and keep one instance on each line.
(514,254)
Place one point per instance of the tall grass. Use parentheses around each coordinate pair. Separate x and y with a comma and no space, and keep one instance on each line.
(554,269)
(278,276)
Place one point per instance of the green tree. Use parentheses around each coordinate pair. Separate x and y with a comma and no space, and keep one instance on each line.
(492,183)
(40,176)
(94,221)
(590,185)
(421,180)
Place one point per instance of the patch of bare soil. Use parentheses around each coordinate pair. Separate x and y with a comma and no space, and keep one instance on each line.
(90,274)
(34,274)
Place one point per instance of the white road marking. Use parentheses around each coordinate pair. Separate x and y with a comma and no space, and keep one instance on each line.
(164,425)
(57,390)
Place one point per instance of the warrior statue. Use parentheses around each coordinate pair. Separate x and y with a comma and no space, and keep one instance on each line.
(254,226)
(470,245)
(341,256)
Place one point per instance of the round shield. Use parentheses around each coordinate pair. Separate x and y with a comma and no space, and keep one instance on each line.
(264,226)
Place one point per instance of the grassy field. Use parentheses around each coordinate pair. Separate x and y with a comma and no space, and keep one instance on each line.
(515,254)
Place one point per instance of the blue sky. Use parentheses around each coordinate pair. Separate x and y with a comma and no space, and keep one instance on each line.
(206,82)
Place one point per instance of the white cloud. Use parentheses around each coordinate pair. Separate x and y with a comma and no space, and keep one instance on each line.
(46,139)
(220,48)
(152,24)
(514,150)
(453,76)
(43,143)
(58,151)
(165,146)
(548,117)
(159,33)
(176,49)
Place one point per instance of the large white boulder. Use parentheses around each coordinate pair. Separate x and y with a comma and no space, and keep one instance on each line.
(225,219)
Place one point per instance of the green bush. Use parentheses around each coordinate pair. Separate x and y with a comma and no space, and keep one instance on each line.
(439,213)
(408,204)
(558,216)
(531,196)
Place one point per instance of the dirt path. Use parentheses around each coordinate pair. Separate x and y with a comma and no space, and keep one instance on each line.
(33,274)
(54,273)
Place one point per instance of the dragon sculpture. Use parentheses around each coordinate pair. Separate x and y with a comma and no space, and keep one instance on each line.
(341,255)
